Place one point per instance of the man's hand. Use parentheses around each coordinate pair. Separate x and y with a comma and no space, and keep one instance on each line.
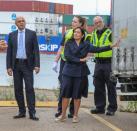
(55,66)
(116,44)
(9,71)
(3,45)
(36,69)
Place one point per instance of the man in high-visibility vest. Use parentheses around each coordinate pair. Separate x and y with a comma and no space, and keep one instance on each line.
(101,36)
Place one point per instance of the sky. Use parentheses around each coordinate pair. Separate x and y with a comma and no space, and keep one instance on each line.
(87,7)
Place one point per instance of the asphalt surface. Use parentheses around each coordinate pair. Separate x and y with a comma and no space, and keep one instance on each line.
(122,121)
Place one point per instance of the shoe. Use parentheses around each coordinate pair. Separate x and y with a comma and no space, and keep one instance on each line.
(70,115)
(97,111)
(20,115)
(60,118)
(33,117)
(57,114)
(110,113)
(75,119)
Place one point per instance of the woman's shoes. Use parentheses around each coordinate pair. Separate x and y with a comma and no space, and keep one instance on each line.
(63,119)
(75,119)
(60,118)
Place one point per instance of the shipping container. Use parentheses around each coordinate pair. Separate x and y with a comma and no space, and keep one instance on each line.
(66,9)
(53,18)
(43,6)
(10,17)
(15,6)
(70,9)
(51,7)
(62,8)
(57,6)
(37,6)
(40,19)
(124,62)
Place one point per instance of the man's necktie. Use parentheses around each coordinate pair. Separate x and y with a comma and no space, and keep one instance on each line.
(21,48)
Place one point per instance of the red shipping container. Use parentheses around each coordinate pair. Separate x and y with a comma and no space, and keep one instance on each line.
(35,6)
(22,6)
(46,6)
(15,5)
(66,10)
(57,8)
(70,9)
(62,8)
(43,7)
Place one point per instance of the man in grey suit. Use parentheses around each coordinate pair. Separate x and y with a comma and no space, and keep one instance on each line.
(22,59)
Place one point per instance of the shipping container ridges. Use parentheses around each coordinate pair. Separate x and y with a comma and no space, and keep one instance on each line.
(36,6)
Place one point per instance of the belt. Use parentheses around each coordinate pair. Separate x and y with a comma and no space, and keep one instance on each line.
(21,60)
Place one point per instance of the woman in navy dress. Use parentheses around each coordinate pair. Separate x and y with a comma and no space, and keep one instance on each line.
(75,72)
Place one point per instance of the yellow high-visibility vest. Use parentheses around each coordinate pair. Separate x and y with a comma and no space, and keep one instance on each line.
(103,41)
(68,36)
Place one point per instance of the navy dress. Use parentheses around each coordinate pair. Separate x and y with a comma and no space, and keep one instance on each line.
(74,79)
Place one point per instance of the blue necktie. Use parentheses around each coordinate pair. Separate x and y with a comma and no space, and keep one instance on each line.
(20,45)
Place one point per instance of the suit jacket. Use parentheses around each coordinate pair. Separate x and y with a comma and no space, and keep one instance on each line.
(73,53)
(31,45)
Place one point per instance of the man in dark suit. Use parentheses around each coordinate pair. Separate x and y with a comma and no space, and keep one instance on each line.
(22,59)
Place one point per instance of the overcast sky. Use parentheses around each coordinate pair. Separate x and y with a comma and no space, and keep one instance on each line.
(87,7)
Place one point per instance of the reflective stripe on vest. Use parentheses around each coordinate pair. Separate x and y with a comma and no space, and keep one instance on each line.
(103,41)
(68,36)
(88,37)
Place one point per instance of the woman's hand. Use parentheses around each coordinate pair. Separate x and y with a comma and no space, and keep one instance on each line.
(85,59)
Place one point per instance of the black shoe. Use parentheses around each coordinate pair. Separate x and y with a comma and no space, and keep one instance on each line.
(70,115)
(97,111)
(33,117)
(110,113)
(57,114)
(20,115)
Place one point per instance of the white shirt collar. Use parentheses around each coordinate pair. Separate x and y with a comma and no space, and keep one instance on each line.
(21,30)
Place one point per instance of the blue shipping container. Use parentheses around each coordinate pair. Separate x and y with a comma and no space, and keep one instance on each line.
(51,7)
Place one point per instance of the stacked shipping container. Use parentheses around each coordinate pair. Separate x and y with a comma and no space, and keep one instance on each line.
(37,6)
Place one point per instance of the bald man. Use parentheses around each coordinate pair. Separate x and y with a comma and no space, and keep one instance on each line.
(22,59)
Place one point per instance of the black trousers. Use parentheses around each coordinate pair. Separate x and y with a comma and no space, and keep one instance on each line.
(101,80)
(23,72)
(71,105)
